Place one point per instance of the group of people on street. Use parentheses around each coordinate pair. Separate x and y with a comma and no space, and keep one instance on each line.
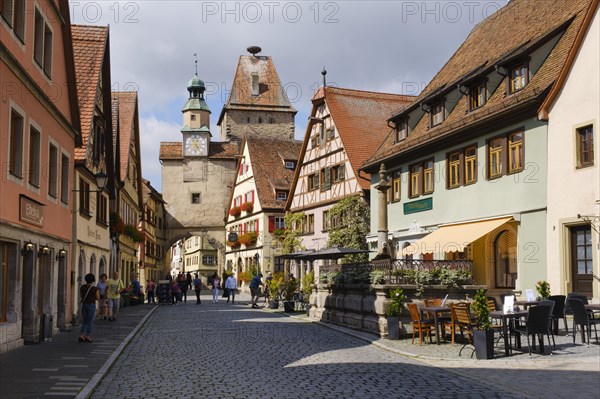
(180,285)
(108,295)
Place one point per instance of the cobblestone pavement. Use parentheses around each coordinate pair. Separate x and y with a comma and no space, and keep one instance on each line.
(232,351)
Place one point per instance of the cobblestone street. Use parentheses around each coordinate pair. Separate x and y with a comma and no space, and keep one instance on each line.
(232,351)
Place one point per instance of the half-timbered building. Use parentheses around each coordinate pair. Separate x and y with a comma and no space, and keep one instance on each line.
(345,128)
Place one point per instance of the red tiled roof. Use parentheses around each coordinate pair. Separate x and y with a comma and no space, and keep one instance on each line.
(268,156)
(216,150)
(88,49)
(271,96)
(360,118)
(514,27)
(127,103)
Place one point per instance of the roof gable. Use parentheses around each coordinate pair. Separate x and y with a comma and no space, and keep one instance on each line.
(89,47)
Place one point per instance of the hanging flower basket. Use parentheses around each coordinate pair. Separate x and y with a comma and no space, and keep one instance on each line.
(248,239)
(235,211)
(247,207)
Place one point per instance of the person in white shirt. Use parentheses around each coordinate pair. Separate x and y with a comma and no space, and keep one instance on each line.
(231,285)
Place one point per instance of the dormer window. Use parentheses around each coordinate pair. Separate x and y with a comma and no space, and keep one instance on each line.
(290,164)
(518,78)
(281,195)
(437,113)
(401,130)
(255,84)
(477,96)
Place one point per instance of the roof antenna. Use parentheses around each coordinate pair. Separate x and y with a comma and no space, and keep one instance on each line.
(196,63)
(324,73)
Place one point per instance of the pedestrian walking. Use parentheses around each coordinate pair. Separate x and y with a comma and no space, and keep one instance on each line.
(188,279)
(255,284)
(216,284)
(268,280)
(102,302)
(231,286)
(197,288)
(183,287)
(113,294)
(175,293)
(150,290)
(89,295)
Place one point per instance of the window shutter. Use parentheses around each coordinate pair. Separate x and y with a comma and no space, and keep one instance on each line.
(327,178)
(256,226)
(241,168)
(271,223)
(252,196)
(246,197)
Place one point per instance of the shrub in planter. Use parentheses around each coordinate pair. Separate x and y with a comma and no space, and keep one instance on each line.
(393,312)
(483,336)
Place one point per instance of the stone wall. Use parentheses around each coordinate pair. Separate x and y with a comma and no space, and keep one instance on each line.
(274,124)
(362,307)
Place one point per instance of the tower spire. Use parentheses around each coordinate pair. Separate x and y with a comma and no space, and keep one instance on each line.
(324,72)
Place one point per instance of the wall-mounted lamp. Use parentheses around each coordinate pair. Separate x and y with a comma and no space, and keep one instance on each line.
(61,254)
(27,247)
(44,250)
(426,107)
(101,180)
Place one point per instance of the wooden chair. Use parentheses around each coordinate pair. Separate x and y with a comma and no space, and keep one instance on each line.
(451,326)
(463,320)
(419,325)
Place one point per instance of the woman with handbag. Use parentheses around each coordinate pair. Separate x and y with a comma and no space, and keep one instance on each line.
(89,296)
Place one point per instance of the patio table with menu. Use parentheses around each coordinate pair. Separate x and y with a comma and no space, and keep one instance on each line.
(527,304)
(506,317)
(436,310)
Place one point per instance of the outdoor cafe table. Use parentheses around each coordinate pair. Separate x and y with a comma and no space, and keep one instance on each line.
(436,310)
(527,304)
(505,317)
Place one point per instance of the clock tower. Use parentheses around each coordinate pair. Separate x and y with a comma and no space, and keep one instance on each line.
(196,121)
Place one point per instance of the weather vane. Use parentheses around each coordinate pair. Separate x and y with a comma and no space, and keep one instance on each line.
(196,62)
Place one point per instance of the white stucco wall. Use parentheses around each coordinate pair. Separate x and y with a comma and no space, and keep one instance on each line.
(573,191)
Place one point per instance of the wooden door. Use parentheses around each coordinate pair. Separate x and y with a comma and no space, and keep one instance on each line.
(581,260)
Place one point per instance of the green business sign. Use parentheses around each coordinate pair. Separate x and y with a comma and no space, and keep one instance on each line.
(418,206)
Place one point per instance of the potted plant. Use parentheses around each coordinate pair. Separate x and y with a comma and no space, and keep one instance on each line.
(289,289)
(483,335)
(247,207)
(274,286)
(393,312)
(543,289)
(307,281)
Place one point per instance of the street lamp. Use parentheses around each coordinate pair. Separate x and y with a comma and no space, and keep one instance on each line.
(101,180)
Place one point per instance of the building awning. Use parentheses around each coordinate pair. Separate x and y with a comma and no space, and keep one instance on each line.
(455,237)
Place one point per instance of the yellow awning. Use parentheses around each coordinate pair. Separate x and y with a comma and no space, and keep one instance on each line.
(454,237)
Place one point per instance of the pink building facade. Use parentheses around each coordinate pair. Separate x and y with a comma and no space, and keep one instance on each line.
(39,129)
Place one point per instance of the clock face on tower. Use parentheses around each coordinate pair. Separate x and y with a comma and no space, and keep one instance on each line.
(195,145)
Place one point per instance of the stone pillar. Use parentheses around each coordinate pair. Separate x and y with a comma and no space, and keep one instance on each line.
(382,214)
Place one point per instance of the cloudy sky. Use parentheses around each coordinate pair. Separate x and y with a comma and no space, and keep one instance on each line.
(390,46)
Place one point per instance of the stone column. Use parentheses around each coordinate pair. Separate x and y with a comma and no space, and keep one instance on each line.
(382,213)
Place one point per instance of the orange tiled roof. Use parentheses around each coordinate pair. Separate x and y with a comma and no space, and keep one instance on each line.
(88,49)
(268,156)
(271,93)
(127,104)
(360,118)
(514,27)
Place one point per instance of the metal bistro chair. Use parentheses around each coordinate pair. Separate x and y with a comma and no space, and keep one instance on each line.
(536,324)
(550,304)
(558,312)
(582,318)
(568,311)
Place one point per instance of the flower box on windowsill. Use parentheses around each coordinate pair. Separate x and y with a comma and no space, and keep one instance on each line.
(247,207)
